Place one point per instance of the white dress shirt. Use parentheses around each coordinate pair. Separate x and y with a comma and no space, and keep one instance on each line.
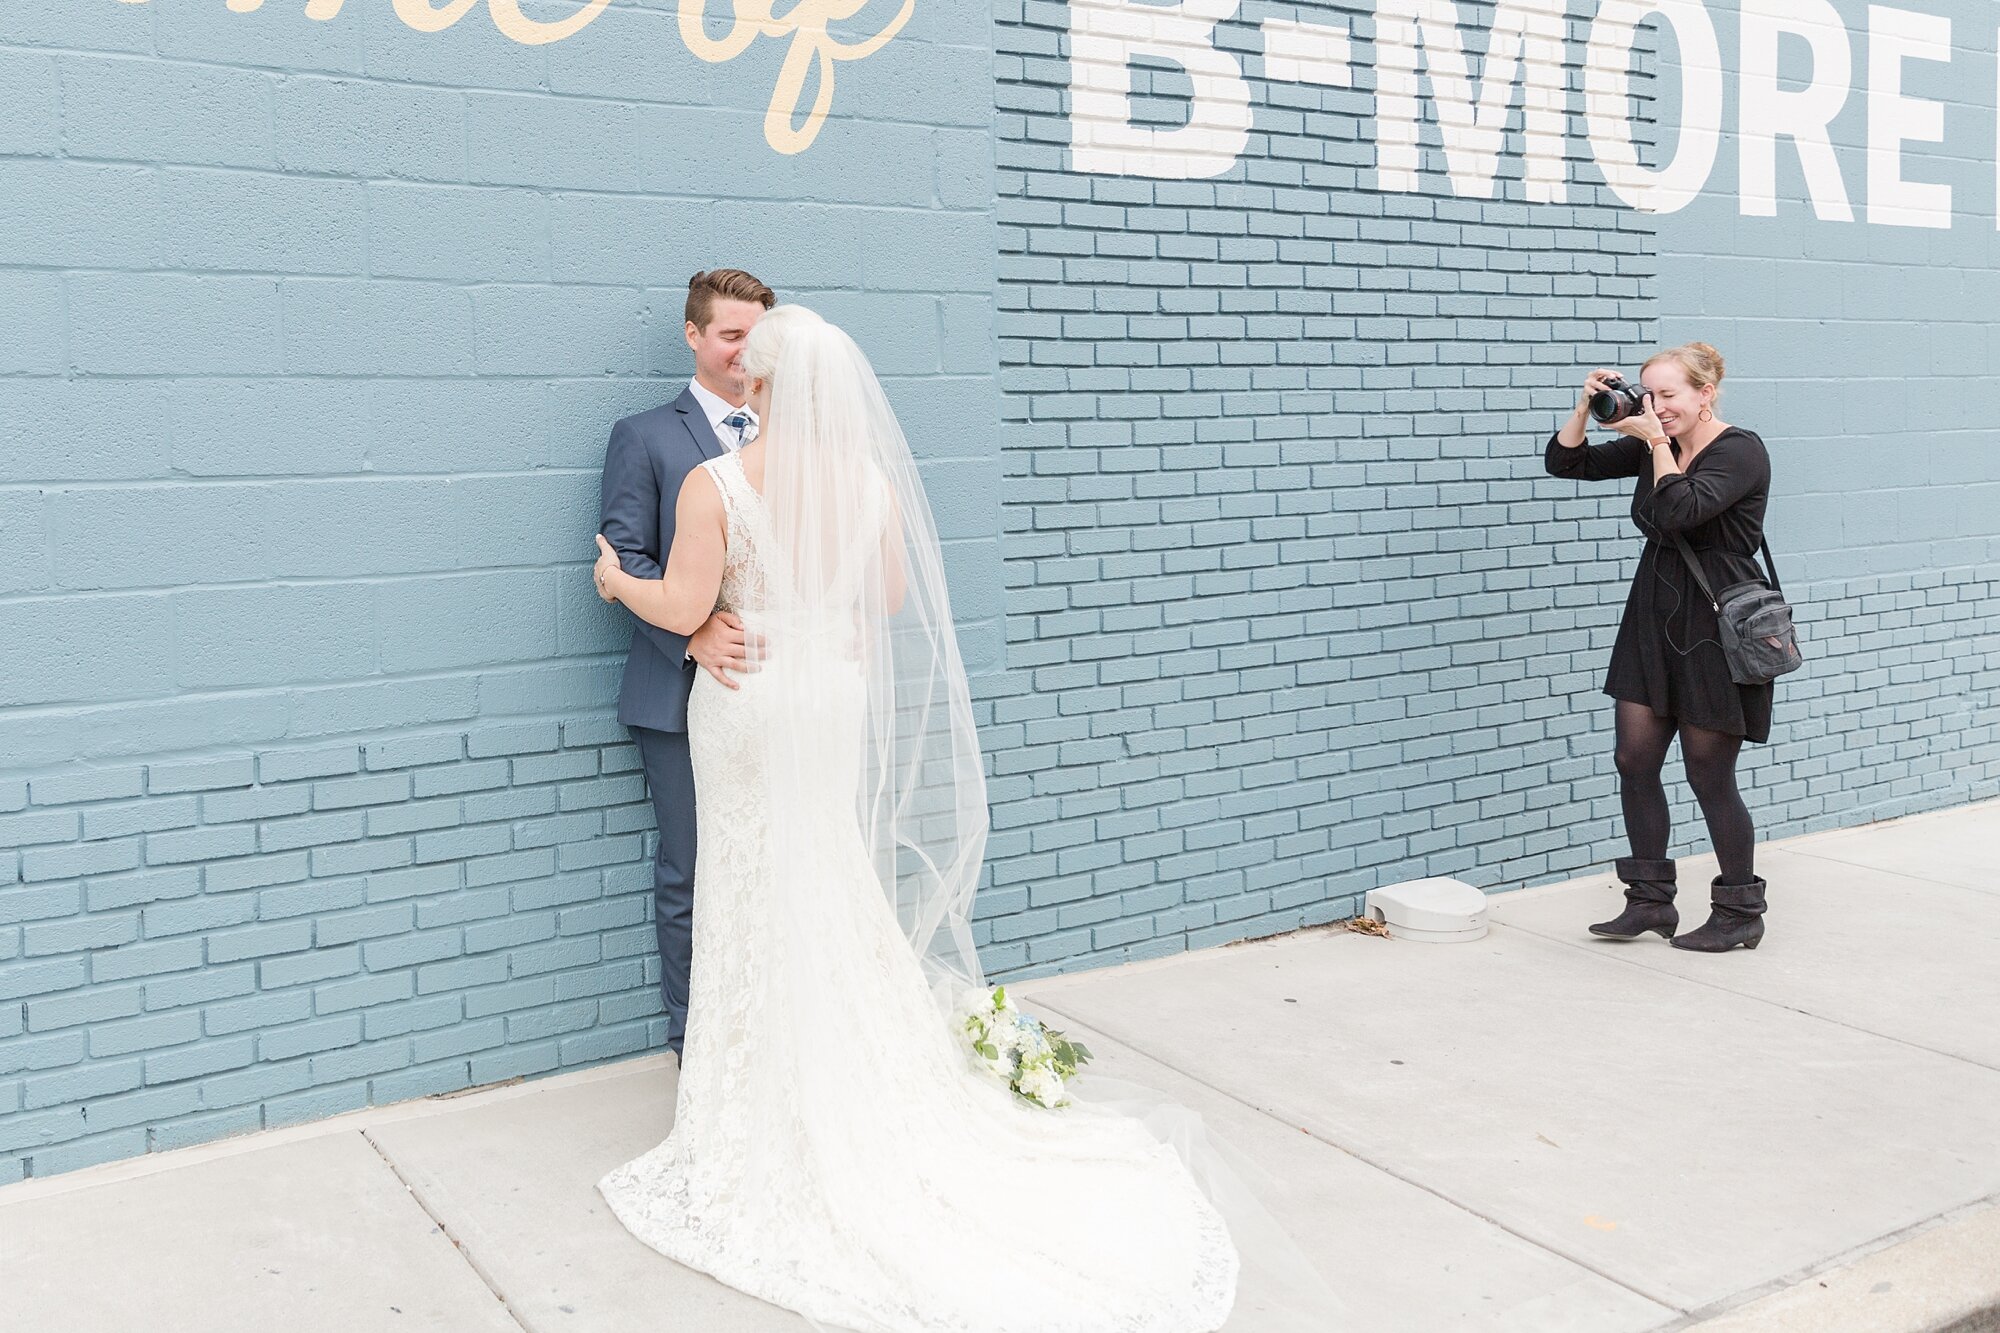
(718,408)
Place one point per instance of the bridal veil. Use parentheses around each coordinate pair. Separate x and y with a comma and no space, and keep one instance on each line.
(855,586)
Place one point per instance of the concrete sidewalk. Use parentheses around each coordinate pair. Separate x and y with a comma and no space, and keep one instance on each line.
(1536,1132)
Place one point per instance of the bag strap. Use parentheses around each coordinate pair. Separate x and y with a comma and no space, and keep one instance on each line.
(1701,577)
(1770,563)
(1687,553)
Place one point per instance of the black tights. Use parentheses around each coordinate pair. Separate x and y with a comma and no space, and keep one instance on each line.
(1710,759)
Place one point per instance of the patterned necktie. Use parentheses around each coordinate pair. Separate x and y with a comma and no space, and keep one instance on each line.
(739,421)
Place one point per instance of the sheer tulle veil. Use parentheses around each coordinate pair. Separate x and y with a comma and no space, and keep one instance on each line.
(870,688)
(870,700)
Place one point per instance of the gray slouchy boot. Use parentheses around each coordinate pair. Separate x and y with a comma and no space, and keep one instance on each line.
(1736,916)
(1649,901)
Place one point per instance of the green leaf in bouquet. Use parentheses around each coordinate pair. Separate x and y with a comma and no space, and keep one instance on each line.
(1069,1053)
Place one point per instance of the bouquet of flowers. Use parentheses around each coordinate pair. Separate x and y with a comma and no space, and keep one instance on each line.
(1024,1053)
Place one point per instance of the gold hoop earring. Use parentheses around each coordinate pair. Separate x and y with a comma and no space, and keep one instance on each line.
(1704,415)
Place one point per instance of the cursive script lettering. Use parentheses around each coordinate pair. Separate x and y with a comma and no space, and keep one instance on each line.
(425,16)
(813,51)
(813,54)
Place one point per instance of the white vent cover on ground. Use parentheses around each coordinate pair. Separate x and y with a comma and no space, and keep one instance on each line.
(1435,911)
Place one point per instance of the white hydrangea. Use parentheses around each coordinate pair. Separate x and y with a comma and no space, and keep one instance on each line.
(1043,1084)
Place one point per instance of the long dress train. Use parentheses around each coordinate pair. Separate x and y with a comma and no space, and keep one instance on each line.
(833,1150)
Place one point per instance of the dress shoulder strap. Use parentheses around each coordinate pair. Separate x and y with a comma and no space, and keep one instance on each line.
(727,474)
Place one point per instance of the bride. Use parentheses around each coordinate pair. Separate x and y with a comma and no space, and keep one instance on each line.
(835,1150)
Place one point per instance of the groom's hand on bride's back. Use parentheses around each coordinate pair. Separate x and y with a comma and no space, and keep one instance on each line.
(719,648)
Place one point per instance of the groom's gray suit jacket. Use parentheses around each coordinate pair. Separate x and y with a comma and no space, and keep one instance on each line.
(650,455)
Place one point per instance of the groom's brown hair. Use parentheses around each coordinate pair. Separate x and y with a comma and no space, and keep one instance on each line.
(726,284)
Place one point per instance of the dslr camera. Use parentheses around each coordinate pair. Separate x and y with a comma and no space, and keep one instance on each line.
(1618,401)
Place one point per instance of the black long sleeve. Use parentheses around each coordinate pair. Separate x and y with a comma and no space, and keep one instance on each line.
(1623,457)
(1732,467)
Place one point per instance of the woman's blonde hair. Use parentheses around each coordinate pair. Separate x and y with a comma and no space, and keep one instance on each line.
(1700,362)
(768,338)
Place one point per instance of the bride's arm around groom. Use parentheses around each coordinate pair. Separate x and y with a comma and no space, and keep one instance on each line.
(634,513)
(682,598)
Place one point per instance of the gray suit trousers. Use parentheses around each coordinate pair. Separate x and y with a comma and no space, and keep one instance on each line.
(670,782)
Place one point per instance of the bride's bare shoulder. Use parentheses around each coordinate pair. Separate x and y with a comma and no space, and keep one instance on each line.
(700,495)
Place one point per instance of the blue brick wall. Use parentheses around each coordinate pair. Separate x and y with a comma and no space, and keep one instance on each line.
(1863,352)
(311,335)
(310,793)
(1294,612)
(243,940)
(1292,608)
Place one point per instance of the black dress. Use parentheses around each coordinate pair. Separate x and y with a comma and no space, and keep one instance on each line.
(1669,653)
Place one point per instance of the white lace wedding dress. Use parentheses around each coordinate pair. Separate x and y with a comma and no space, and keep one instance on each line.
(833,1151)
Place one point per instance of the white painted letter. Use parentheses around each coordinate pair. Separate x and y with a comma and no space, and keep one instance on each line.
(1105,37)
(1307,53)
(1526,47)
(1767,112)
(508,18)
(421,15)
(1896,35)
(1606,81)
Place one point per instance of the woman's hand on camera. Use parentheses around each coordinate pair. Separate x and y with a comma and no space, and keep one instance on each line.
(1646,426)
(1593,384)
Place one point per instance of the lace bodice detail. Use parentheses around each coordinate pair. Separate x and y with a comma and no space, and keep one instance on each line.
(744,588)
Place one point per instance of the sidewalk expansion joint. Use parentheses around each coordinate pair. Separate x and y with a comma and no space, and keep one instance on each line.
(437,1219)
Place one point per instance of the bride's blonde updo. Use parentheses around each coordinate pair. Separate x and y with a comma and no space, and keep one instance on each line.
(1701,363)
(765,346)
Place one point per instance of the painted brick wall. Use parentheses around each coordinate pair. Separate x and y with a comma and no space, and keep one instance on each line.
(212,945)
(1298,614)
(1293,608)
(311,336)
(1864,352)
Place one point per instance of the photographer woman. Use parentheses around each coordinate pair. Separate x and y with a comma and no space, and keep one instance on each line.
(1709,481)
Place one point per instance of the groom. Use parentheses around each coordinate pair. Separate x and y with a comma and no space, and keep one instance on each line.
(650,455)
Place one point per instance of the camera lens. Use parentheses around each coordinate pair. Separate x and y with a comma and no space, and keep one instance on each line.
(1618,401)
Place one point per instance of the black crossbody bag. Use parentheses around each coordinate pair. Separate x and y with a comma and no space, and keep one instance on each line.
(1758,637)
